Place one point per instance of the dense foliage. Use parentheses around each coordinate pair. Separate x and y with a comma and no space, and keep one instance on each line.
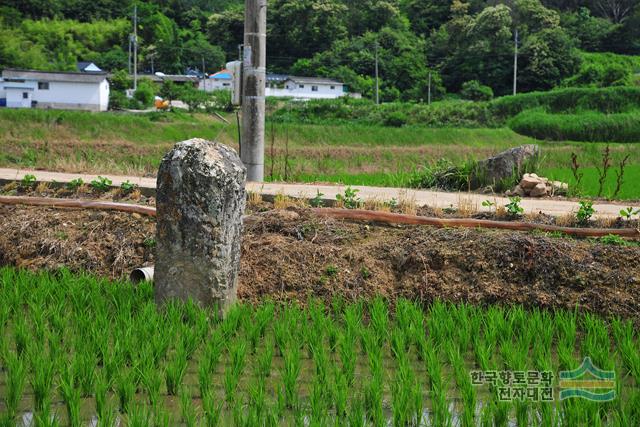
(464,113)
(450,42)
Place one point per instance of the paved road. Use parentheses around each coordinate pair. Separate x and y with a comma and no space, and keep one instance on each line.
(439,199)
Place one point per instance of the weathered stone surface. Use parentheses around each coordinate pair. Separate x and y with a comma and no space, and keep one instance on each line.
(505,164)
(532,185)
(539,190)
(200,203)
(529,181)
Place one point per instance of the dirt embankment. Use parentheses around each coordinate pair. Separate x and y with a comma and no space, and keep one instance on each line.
(289,255)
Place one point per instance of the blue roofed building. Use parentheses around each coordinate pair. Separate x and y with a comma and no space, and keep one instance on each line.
(222,80)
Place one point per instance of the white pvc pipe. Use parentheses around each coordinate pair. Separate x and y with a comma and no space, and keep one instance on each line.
(142,274)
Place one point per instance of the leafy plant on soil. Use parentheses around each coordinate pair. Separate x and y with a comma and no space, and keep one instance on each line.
(28,181)
(317,201)
(585,211)
(74,184)
(629,212)
(101,184)
(350,199)
(128,187)
(513,208)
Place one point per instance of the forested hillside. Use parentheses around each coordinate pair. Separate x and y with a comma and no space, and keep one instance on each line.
(464,45)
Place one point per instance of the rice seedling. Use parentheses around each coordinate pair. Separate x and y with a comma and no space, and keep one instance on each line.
(340,394)
(317,404)
(71,396)
(213,350)
(187,408)
(441,414)
(265,358)
(21,335)
(139,416)
(15,374)
(212,410)
(379,314)
(102,388)
(44,417)
(204,378)
(152,381)
(84,367)
(175,371)
(356,417)
(290,373)
(237,353)
(125,388)
(107,416)
(348,356)
(43,370)
(467,390)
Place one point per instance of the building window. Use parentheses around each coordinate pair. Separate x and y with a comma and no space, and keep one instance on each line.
(301,86)
(314,88)
(43,85)
(25,95)
(226,84)
(333,87)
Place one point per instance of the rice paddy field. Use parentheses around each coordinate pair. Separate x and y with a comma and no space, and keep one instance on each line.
(347,153)
(78,350)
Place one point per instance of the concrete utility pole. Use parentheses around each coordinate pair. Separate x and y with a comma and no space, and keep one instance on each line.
(254,79)
(515,64)
(377,80)
(135,47)
(129,62)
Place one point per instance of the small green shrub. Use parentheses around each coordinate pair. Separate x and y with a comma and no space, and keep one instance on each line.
(474,91)
(28,181)
(629,212)
(613,239)
(118,100)
(128,187)
(350,199)
(513,207)
(443,175)
(396,119)
(317,202)
(74,184)
(101,184)
(585,211)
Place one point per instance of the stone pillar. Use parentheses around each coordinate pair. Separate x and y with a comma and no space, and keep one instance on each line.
(200,203)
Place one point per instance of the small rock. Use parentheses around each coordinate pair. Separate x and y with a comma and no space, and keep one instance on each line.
(539,190)
(517,191)
(136,215)
(529,181)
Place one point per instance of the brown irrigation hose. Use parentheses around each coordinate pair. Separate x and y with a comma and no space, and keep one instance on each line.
(77,203)
(348,214)
(393,218)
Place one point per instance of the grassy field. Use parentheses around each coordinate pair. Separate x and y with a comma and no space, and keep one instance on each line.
(362,154)
(77,348)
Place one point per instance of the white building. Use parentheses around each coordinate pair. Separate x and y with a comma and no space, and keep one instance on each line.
(305,87)
(222,80)
(61,90)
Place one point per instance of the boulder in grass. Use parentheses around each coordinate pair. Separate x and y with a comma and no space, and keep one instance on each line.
(504,166)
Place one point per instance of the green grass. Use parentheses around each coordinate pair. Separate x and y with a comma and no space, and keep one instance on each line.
(347,153)
(587,126)
(326,362)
